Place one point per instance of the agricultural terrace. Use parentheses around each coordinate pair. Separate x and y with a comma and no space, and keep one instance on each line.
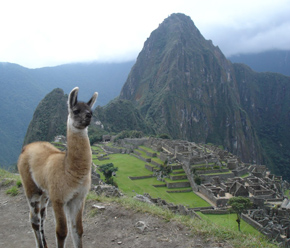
(130,166)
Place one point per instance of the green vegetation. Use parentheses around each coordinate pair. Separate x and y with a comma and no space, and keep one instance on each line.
(8,178)
(13,191)
(7,174)
(49,118)
(130,166)
(239,205)
(108,170)
(120,116)
(228,220)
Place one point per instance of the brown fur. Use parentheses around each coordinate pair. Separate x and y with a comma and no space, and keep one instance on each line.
(63,177)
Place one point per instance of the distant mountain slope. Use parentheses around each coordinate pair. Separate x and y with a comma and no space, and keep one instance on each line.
(18,98)
(120,115)
(49,118)
(269,61)
(266,99)
(22,89)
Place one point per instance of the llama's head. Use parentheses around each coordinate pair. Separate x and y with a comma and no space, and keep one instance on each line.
(80,113)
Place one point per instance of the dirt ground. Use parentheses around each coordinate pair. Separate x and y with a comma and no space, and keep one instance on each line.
(114,226)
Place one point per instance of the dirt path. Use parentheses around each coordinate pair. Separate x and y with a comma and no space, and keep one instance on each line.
(112,227)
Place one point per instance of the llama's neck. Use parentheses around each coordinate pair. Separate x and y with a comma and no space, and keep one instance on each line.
(79,155)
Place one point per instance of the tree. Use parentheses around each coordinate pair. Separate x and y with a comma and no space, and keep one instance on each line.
(239,205)
(107,170)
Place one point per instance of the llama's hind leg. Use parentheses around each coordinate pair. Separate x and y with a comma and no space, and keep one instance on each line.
(35,219)
(44,203)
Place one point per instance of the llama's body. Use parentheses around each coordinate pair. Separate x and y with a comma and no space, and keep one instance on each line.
(64,178)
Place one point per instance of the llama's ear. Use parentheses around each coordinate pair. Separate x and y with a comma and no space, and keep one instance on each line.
(92,101)
(73,97)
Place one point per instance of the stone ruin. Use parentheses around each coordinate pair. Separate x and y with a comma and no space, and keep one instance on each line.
(223,176)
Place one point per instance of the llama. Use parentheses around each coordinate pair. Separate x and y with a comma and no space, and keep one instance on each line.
(64,178)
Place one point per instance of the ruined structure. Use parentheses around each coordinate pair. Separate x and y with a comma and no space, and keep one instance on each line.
(218,175)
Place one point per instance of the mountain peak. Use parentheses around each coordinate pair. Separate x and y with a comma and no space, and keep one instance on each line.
(181,83)
(176,46)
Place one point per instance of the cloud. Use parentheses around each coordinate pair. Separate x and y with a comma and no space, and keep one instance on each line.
(37,33)
(260,28)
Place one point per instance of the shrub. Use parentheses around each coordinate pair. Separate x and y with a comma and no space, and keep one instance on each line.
(12,191)
(108,170)
(197,180)
(18,183)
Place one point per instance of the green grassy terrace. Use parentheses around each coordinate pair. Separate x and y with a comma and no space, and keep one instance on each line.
(130,166)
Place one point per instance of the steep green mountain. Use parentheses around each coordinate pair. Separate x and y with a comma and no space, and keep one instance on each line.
(22,89)
(184,86)
(269,61)
(49,118)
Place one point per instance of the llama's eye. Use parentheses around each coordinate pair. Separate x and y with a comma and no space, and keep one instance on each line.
(76,112)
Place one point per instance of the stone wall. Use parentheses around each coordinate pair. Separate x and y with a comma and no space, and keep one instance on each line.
(240,172)
(141,177)
(252,222)
(178,185)
(116,149)
(155,163)
(211,171)
(136,141)
(224,177)
(219,202)
(177,177)
(214,211)
(135,154)
(150,168)
(187,170)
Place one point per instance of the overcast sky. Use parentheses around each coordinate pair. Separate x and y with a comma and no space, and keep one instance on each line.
(48,33)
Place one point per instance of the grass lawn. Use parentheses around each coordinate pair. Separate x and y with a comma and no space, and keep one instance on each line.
(229,220)
(97,149)
(132,166)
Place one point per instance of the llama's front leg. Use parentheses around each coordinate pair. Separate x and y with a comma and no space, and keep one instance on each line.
(61,223)
(75,211)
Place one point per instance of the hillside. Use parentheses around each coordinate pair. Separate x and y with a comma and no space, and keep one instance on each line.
(120,115)
(184,86)
(22,89)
